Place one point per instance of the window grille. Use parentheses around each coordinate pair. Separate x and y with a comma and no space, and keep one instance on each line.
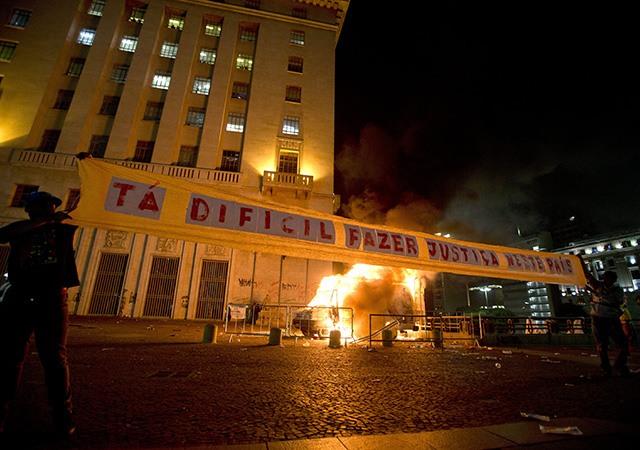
(176,22)
(19,18)
(293,94)
(109,105)
(212,290)
(212,28)
(119,73)
(96,8)
(288,161)
(63,100)
(137,14)
(128,44)
(248,34)
(98,145)
(230,161)
(195,117)
(144,151)
(295,64)
(169,50)
(201,85)
(240,90)
(153,111)
(6,50)
(49,141)
(207,55)
(21,194)
(75,67)
(106,298)
(188,156)
(161,288)
(161,80)
(235,122)
(244,62)
(296,37)
(86,36)
(291,125)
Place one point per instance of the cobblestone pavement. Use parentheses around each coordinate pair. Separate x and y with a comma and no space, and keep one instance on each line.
(145,383)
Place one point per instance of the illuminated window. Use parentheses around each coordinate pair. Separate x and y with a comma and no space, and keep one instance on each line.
(291,125)
(195,117)
(212,28)
(109,105)
(86,36)
(230,161)
(153,111)
(137,14)
(161,80)
(295,64)
(244,62)
(96,8)
(19,18)
(296,37)
(63,100)
(169,50)
(6,50)
(98,145)
(207,55)
(72,199)
(248,34)
(128,44)
(235,122)
(240,90)
(293,94)
(119,73)
(21,194)
(176,22)
(288,161)
(201,85)
(144,151)
(49,141)
(188,156)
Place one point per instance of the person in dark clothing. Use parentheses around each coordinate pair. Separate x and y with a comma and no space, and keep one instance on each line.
(605,321)
(41,267)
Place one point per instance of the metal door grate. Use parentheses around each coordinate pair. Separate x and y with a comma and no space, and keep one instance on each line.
(4,261)
(107,291)
(162,287)
(212,291)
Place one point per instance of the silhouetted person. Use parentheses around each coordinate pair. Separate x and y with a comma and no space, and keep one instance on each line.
(605,320)
(41,267)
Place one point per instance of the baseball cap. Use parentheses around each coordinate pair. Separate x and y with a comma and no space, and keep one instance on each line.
(41,196)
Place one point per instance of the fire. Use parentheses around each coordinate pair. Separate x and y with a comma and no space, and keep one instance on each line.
(366,289)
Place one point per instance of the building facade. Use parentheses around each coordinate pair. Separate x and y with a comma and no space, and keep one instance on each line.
(238,94)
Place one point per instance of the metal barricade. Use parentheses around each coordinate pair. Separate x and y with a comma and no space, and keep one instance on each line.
(319,321)
(242,318)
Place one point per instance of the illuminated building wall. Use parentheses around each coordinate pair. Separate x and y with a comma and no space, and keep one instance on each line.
(238,94)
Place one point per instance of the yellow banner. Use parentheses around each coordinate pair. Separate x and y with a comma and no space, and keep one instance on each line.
(119,198)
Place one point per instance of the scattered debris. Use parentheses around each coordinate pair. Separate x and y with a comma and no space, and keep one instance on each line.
(535,416)
(575,431)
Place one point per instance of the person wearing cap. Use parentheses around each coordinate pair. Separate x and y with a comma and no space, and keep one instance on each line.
(605,320)
(41,267)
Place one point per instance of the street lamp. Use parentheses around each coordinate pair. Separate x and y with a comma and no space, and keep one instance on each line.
(485,290)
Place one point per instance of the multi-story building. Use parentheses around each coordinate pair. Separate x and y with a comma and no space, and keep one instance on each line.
(238,94)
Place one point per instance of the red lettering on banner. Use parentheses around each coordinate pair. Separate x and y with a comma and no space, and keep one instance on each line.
(223,214)
(195,208)
(307,227)
(284,225)
(412,246)
(148,202)
(369,239)
(124,188)
(323,232)
(444,255)
(383,241)
(354,236)
(464,251)
(455,253)
(398,244)
(433,249)
(245,215)
(267,220)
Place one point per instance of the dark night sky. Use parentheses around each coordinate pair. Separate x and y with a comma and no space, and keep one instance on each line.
(476,120)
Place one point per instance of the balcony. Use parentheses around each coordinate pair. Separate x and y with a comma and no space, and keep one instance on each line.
(274,182)
(68,162)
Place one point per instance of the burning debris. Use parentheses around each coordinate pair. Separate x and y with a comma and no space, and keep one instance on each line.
(364,290)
